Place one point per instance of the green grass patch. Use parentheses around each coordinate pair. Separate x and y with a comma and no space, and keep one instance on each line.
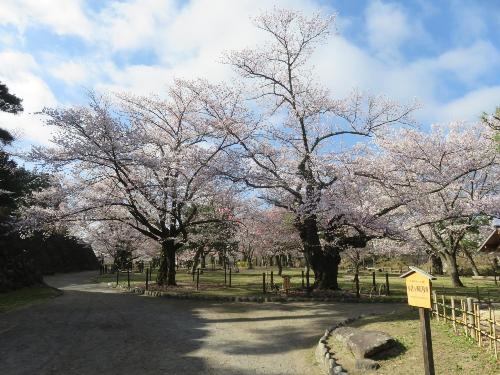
(486,288)
(249,283)
(26,296)
(453,354)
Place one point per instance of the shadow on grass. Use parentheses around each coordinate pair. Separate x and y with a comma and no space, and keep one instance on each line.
(406,313)
(398,349)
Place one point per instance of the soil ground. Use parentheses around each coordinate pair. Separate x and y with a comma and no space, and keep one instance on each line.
(93,329)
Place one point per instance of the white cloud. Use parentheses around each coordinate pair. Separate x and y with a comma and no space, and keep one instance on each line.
(471,105)
(135,24)
(470,20)
(139,79)
(189,40)
(387,27)
(20,74)
(471,62)
(64,17)
(71,72)
(191,44)
(341,66)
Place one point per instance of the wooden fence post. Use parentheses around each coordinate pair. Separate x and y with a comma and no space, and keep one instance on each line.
(387,284)
(490,326)
(477,315)
(373,280)
(434,299)
(272,279)
(117,275)
(307,278)
(302,279)
(425,329)
(356,280)
(128,277)
(464,316)
(197,278)
(444,308)
(230,276)
(147,277)
(453,316)
(470,317)
(264,282)
(495,333)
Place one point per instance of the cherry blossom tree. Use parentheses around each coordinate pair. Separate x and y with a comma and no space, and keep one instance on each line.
(277,238)
(356,210)
(493,121)
(286,148)
(248,231)
(217,237)
(146,162)
(449,180)
(109,239)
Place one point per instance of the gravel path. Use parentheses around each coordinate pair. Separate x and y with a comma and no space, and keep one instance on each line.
(91,329)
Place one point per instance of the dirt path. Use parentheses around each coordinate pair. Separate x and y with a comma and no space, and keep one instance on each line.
(92,330)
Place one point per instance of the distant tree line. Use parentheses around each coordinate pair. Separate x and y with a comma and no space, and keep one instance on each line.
(23,260)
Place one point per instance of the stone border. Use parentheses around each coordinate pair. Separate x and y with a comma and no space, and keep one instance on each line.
(324,354)
(166,294)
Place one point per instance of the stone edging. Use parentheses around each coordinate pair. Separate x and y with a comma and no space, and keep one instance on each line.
(324,354)
(157,293)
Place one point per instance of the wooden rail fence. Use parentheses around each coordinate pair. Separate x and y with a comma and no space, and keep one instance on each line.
(469,316)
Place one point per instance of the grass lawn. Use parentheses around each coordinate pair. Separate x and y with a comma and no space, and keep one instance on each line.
(487,288)
(26,296)
(453,354)
(249,283)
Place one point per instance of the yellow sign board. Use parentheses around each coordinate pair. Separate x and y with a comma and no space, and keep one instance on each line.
(418,288)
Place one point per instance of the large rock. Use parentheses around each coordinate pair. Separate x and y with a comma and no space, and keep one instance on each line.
(364,344)
(366,364)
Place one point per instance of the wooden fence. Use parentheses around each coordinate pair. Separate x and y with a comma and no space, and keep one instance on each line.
(468,315)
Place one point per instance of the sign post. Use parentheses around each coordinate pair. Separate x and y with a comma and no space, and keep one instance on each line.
(419,289)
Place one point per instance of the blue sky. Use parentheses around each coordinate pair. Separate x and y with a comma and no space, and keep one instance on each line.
(444,53)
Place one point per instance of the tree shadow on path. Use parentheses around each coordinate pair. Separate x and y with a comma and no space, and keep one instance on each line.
(89,330)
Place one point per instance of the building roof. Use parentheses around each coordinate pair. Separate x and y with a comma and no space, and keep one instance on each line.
(417,270)
(492,243)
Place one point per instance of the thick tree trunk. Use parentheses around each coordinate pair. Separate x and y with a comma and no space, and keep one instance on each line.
(324,263)
(436,265)
(249,263)
(280,266)
(472,263)
(329,277)
(166,271)
(451,259)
